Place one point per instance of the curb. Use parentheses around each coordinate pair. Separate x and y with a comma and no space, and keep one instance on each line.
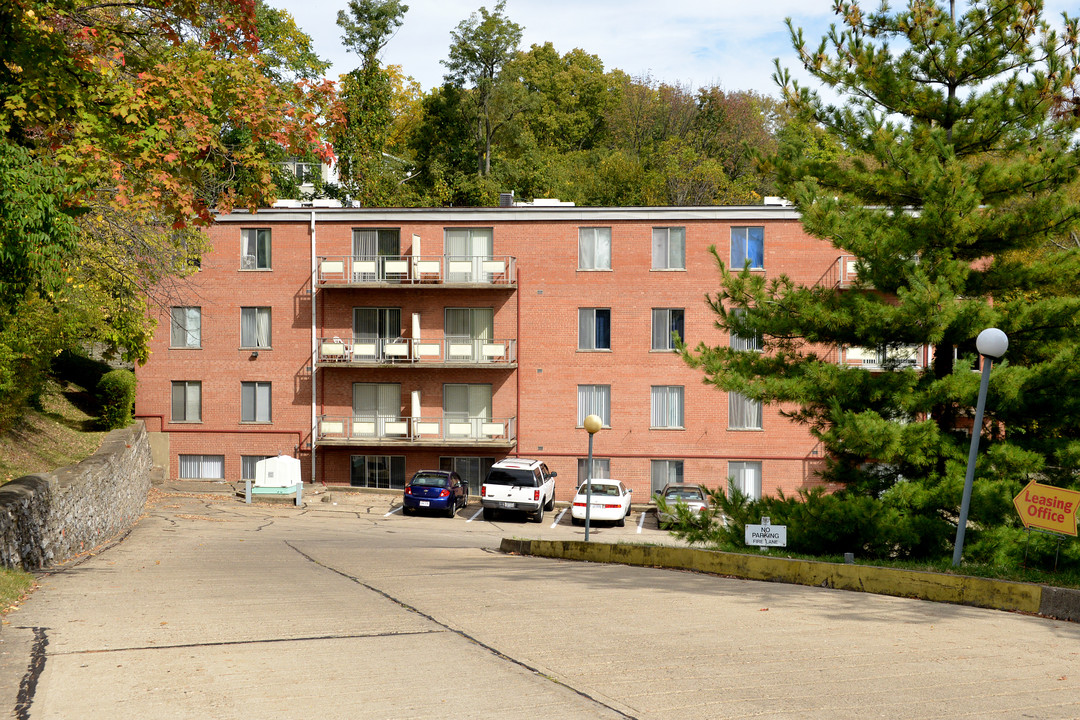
(1052,602)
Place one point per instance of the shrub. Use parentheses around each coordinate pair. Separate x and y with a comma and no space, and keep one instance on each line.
(116,393)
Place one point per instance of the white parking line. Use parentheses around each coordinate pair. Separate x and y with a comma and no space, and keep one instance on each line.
(557,519)
(476,515)
(397,509)
(640,522)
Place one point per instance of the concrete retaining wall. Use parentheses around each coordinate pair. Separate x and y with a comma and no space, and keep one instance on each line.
(1060,603)
(48,518)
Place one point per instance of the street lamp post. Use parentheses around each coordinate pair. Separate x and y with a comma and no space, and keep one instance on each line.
(592,423)
(991,344)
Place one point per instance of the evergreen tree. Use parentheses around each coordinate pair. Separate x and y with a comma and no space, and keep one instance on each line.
(954,150)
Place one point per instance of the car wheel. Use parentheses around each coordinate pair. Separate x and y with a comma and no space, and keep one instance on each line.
(406,510)
(451,509)
(621,522)
(489,513)
(550,504)
(537,516)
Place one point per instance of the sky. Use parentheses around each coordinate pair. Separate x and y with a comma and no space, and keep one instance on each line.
(696,43)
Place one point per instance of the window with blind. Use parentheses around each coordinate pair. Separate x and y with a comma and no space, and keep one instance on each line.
(186,327)
(594,400)
(667,322)
(669,248)
(665,472)
(202,467)
(594,248)
(254,327)
(248,463)
(186,401)
(747,343)
(745,477)
(594,328)
(601,469)
(743,413)
(667,406)
(255,402)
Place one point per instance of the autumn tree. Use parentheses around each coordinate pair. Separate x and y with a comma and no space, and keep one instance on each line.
(955,146)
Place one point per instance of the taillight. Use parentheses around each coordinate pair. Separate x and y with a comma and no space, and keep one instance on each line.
(444,493)
(408,489)
(612,507)
(483,489)
(536,494)
(579,504)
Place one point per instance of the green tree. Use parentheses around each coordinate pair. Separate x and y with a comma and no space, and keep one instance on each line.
(481,46)
(954,152)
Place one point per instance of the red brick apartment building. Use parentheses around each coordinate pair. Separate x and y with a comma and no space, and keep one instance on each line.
(371,343)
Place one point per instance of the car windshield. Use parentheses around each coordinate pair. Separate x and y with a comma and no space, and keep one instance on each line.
(430,480)
(598,489)
(510,477)
(683,494)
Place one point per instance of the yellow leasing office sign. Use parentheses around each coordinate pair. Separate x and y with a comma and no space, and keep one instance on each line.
(1048,508)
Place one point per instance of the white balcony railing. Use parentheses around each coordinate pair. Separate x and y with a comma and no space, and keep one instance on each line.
(448,349)
(416,270)
(387,428)
(913,356)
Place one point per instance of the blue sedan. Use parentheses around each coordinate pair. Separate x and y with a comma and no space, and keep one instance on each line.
(439,490)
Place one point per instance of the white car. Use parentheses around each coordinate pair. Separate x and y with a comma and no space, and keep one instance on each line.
(610,503)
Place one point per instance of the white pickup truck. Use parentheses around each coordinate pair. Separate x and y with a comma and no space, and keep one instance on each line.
(521,485)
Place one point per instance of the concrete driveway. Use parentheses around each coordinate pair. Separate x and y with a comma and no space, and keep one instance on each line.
(214,609)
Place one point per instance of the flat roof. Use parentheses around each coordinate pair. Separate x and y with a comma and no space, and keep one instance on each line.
(515,214)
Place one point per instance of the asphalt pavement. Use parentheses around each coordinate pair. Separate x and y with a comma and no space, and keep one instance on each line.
(211,608)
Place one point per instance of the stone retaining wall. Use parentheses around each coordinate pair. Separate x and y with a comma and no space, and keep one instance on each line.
(48,518)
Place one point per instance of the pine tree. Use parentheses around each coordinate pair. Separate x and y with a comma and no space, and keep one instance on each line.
(958,147)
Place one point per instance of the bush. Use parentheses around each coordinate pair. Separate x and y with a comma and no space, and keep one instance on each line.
(116,393)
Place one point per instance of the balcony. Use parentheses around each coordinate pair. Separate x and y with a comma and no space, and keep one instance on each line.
(499,272)
(449,351)
(908,356)
(386,430)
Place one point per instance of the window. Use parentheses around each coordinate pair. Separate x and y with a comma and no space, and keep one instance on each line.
(738,342)
(467,330)
(255,249)
(594,248)
(373,248)
(745,477)
(255,327)
(743,413)
(255,402)
(594,328)
(186,326)
(372,328)
(472,470)
(665,472)
(247,465)
(202,467)
(747,246)
(186,401)
(667,406)
(594,400)
(466,404)
(378,471)
(378,403)
(669,248)
(601,469)
(666,321)
(466,250)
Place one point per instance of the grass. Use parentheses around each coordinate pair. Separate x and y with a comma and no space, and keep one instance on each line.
(61,433)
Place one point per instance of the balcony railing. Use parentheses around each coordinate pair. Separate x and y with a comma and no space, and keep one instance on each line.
(445,350)
(366,429)
(910,356)
(416,270)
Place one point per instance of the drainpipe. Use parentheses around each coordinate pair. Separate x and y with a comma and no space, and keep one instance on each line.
(314,260)
(517,373)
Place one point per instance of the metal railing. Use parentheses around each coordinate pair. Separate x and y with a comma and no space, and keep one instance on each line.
(908,356)
(391,428)
(448,349)
(417,270)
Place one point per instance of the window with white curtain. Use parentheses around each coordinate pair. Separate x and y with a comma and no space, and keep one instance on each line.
(594,248)
(667,406)
(746,477)
(378,245)
(747,246)
(186,401)
(665,322)
(255,327)
(202,467)
(669,248)
(186,327)
(594,328)
(255,402)
(255,249)
(594,400)
(746,344)
(601,469)
(665,472)
(470,246)
(743,413)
